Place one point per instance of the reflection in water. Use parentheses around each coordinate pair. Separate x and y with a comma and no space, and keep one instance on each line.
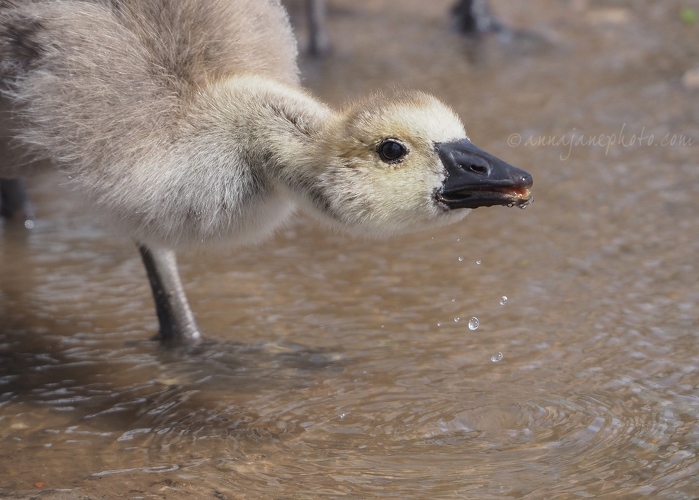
(335,366)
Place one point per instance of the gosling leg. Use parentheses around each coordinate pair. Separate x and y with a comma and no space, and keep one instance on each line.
(14,199)
(176,320)
(318,36)
(475,17)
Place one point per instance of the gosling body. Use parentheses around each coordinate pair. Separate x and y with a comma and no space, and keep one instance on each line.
(184,124)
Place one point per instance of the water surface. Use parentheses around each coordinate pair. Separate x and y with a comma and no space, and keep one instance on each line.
(334,366)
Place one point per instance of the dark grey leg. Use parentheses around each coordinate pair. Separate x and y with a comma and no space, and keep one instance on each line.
(475,17)
(318,37)
(14,199)
(176,320)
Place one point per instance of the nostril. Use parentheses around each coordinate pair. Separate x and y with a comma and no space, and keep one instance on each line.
(478,169)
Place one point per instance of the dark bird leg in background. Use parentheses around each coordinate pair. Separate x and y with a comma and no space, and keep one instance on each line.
(14,200)
(474,17)
(318,43)
(177,325)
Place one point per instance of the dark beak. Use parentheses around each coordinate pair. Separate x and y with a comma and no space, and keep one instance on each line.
(478,179)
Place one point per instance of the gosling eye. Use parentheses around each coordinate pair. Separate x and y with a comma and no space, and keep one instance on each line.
(392,151)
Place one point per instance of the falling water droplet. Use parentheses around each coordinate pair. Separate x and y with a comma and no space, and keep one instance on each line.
(453,300)
(439,324)
(503,300)
(342,416)
(456,320)
(29,224)
(473,323)
(458,240)
(496,358)
(461,259)
(478,262)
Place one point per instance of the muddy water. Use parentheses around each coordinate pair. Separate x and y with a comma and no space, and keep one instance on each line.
(337,367)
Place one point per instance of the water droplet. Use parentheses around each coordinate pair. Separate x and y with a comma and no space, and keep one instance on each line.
(456,320)
(342,416)
(473,323)
(461,259)
(29,224)
(526,203)
(496,358)
(453,300)
(439,324)
(478,262)
(503,300)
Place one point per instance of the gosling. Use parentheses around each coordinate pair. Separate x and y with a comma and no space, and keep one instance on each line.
(185,125)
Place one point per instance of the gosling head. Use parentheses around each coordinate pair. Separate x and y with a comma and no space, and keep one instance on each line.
(405,163)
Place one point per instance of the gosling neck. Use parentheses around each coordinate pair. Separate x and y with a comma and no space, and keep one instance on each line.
(273,125)
(274,134)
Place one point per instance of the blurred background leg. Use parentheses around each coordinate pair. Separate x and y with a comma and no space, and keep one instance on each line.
(14,202)
(318,36)
(475,17)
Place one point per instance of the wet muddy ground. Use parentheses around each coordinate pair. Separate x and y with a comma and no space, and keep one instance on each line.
(338,367)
